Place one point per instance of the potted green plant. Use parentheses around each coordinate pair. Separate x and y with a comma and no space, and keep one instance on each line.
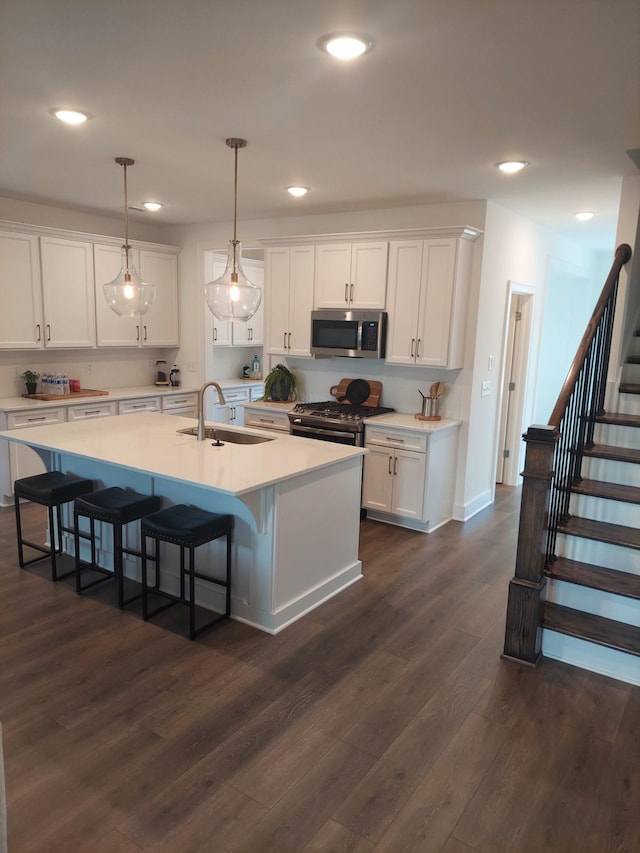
(31,380)
(280,384)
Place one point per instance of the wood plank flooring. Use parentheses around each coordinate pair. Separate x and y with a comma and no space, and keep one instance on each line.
(384,721)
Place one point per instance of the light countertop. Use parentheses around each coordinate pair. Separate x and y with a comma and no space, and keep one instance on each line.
(17,403)
(149,443)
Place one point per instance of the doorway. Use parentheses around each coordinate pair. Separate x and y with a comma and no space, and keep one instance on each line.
(515,362)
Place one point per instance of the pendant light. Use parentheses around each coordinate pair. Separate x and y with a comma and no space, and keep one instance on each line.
(233,296)
(128,295)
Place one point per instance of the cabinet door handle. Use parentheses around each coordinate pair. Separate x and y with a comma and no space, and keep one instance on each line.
(289,344)
(284,340)
(38,328)
(346,292)
(48,332)
(351,293)
(215,334)
(395,466)
(418,348)
(390,458)
(413,344)
(145,332)
(137,333)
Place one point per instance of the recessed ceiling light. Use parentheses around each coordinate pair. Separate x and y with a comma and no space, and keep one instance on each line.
(510,167)
(152,205)
(345,45)
(70,116)
(584,216)
(298,192)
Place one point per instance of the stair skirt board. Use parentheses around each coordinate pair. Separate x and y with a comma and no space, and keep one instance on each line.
(603,509)
(591,656)
(588,600)
(599,553)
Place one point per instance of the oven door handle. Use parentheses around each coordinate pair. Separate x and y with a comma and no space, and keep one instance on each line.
(307,430)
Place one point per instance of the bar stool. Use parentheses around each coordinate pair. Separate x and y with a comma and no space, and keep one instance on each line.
(117,507)
(188,527)
(52,490)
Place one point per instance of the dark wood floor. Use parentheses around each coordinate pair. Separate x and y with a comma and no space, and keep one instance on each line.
(383,721)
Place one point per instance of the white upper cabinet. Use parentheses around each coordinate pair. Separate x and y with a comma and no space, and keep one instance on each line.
(67,292)
(427,296)
(21,324)
(289,278)
(159,326)
(351,275)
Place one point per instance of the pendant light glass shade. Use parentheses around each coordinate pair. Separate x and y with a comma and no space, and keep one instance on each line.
(127,294)
(233,296)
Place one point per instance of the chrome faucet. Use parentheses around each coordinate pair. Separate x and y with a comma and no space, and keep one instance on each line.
(201,405)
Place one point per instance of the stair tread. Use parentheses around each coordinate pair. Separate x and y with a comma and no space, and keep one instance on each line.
(602,531)
(611,491)
(608,451)
(595,629)
(619,420)
(629,388)
(595,577)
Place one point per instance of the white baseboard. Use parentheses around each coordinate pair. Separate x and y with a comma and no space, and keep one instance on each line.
(463,512)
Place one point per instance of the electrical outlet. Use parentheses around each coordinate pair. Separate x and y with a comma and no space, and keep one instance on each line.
(88,367)
(485,389)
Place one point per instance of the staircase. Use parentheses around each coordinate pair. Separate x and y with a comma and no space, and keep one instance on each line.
(591,615)
(575,595)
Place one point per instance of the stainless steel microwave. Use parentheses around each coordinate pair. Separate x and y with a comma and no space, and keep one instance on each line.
(355,334)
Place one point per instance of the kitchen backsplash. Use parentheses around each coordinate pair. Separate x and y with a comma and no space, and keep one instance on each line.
(103,369)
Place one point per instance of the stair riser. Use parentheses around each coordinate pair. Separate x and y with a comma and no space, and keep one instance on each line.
(594,601)
(591,656)
(617,436)
(598,553)
(630,373)
(611,471)
(629,404)
(600,509)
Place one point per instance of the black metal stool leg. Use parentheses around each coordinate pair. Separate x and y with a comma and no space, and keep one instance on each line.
(19,532)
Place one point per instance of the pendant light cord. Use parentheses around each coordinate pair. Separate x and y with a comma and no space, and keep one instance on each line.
(124,162)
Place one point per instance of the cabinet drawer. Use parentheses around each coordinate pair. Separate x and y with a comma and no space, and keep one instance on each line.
(180,401)
(90,411)
(266,420)
(130,407)
(406,440)
(234,395)
(36,417)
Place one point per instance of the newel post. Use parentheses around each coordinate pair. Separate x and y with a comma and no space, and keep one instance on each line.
(523,633)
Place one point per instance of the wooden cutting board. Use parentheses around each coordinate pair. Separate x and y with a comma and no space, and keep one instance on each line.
(85,392)
(373,399)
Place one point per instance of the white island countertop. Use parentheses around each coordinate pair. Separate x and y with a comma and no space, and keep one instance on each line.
(149,443)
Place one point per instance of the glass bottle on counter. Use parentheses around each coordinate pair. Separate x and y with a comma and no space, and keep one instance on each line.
(255,368)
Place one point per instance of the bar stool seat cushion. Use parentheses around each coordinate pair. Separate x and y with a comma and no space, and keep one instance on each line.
(186,525)
(116,505)
(51,488)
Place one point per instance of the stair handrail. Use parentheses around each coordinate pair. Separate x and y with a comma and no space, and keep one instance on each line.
(553,463)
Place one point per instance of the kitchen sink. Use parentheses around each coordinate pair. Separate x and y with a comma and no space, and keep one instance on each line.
(221,434)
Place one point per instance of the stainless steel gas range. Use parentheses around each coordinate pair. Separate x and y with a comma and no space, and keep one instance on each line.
(340,420)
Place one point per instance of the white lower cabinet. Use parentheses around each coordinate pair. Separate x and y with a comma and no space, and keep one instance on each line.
(23,460)
(185,405)
(409,474)
(395,473)
(259,417)
(228,412)
(140,404)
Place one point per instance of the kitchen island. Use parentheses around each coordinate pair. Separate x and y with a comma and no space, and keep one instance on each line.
(296,503)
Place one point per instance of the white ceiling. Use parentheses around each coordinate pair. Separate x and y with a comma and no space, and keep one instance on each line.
(450,88)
